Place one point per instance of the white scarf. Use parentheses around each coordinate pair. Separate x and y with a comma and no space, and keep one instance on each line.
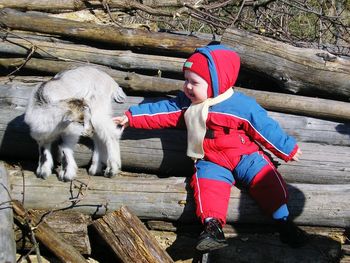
(195,118)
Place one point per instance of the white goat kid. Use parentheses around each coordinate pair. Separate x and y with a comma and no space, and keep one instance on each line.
(73,103)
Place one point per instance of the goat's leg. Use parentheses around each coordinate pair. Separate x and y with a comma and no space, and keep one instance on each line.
(107,132)
(98,156)
(45,164)
(68,165)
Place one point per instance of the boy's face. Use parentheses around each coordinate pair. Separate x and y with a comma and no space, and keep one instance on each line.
(195,87)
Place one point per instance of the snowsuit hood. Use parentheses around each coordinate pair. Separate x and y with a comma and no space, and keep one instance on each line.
(217,64)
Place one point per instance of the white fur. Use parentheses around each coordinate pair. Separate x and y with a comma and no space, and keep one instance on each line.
(50,115)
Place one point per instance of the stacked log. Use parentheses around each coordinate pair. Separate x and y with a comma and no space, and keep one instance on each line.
(7,245)
(311,103)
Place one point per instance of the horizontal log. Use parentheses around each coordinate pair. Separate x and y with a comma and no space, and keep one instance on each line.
(125,60)
(163,151)
(171,199)
(127,38)
(313,107)
(298,70)
(305,129)
(55,6)
(7,244)
(128,80)
(40,5)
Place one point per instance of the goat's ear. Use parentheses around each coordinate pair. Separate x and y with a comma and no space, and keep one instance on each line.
(68,117)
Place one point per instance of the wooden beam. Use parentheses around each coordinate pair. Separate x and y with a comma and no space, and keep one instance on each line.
(120,59)
(55,6)
(129,239)
(163,151)
(298,70)
(305,129)
(127,38)
(171,198)
(7,241)
(128,80)
(142,84)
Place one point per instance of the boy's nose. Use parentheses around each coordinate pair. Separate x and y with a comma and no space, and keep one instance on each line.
(187,85)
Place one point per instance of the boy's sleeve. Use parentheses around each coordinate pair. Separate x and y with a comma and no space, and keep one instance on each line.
(269,133)
(166,113)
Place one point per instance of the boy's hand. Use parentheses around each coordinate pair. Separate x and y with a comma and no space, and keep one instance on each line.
(121,120)
(297,155)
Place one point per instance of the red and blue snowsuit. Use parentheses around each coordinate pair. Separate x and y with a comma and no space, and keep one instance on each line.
(236,130)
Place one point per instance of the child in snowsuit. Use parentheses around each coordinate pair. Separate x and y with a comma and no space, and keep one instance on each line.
(223,128)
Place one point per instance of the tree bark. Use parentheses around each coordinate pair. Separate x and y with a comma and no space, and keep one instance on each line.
(7,244)
(171,198)
(129,239)
(127,38)
(46,235)
(299,70)
(72,226)
(142,84)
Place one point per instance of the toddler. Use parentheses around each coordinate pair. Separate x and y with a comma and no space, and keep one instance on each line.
(226,132)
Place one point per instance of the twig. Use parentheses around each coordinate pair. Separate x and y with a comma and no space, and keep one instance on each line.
(239,12)
(106,6)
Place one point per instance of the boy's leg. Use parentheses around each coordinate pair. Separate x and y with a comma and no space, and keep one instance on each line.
(212,185)
(268,189)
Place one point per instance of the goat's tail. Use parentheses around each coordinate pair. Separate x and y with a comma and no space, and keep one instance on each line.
(118,94)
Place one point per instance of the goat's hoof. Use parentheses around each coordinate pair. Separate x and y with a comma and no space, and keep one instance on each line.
(42,173)
(95,170)
(109,173)
(65,176)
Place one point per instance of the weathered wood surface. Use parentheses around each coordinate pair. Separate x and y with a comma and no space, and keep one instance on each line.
(72,226)
(312,107)
(121,59)
(129,239)
(135,39)
(291,67)
(46,235)
(7,241)
(128,80)
(64,5)
(305,129)
(325,146)
(299,70)
(171,198)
